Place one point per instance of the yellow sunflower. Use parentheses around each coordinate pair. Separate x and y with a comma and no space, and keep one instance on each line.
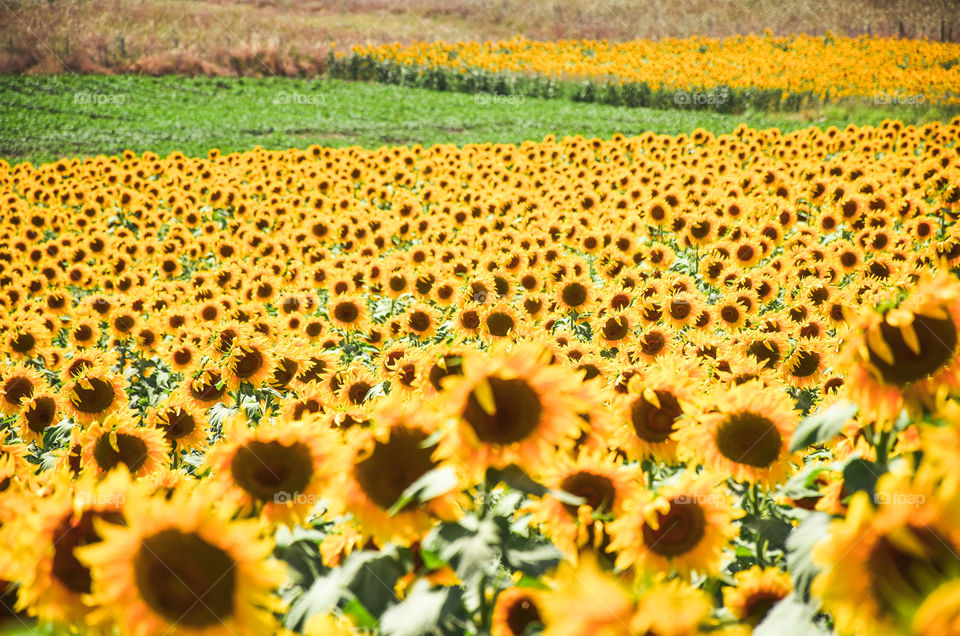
(118,440)
(583,600)
(683,526)
(602,481)
(746,436)
(181,562)
(94,394)
(278,468)
(511,407)
(906,355)
(38,413)
(18,383)
(516,609)
(53,583)
(383,461)
(756,591)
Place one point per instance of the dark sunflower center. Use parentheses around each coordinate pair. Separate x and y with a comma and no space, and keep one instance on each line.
(357,392)
(615,329)
(652,343)
(95,399)
(17,388)
(452,365)
(730,314)
(597,491)
(749,438)
(758,605)
(346,312)
(679,530)
(83,333)
(130,450)
(205,388)
(652,423)
(574,294)
(470,319)
(937,339)
(185,579)
(419,321)
(264,469)
(679,309)
(522,613)
(765,351)
(183,356)
(40,414)
(124,323)
(179,424)
(23,343)
(284,372)
(745,252)
(515,414)
(806,364)
(901,576)
(249,363)
(73,533)
(499,323)
(393,465)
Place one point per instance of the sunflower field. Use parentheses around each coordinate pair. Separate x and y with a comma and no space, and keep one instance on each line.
(734,74)
(660,385)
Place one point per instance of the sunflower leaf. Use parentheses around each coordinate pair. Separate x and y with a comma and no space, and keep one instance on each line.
(860,474)
(823,425)
(431,484)
(423,611)
(800,543)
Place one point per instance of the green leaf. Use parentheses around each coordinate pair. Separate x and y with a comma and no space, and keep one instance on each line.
(531,555)
(321,598)
(531,582)
(361,617)
(431,484)
(423,611)
(790,617)
(860,474)
(823,425)
(372,576)
(800,544)
(472,548)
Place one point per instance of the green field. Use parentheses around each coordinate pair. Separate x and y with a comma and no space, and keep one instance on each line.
(43,118)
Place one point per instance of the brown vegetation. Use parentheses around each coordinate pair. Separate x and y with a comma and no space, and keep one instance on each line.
(287,37)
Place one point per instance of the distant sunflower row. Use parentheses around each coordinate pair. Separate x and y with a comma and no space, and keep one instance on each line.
(385,346)
(707,72)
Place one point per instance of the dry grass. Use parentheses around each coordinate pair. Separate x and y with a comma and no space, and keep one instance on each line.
(267,37)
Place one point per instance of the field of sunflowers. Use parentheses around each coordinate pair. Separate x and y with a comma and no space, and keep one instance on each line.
(660,385)
(729,75)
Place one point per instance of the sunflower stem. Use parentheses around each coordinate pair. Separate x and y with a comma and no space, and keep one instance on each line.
(883,448)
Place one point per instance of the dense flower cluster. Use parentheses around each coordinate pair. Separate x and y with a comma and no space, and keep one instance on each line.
(830,68)
(197,355)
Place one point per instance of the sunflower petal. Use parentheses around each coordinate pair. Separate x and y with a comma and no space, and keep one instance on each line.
(484,394)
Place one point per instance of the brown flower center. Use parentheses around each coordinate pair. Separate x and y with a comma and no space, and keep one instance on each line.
(516,411)
(130,450)
(95,399)
(679,530)
(652,423)
(266,469)
(392,466)
(937,338)
(749,438)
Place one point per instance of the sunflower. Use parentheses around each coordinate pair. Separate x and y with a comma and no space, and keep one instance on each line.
(500,321)
(516,610)
(278,468)
(510,407)
(180,424)
(249,361)
(469,319)
(604,484)
(203,387)
(746,436)
(39,413)
(905,356)
(421,320)
(181,562)
(383,461)
(53,583)
(671,608)
(653,408)
(683,526)
(805,366)
(575,294)
(17,385)
(881,563)
(756,591)
(117,440)
(348,312)
(583,600)
(93,394)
